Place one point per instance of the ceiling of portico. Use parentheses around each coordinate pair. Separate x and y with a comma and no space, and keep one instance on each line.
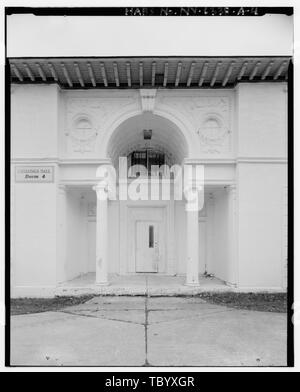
(166,137)
(152,72)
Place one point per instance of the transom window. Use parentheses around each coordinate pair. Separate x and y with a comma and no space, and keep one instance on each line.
(142,161)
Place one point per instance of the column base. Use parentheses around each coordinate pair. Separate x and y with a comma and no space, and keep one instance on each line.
(232,285)
(102,283)
(192,284)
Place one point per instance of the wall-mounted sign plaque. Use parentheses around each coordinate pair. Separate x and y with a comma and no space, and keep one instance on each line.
(34,174)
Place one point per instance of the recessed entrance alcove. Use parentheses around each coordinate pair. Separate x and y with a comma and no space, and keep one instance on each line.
(165,137)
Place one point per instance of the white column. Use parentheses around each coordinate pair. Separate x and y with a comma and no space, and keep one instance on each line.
(171,238)
(232,217)
(210,234)
(192,248)
(101,235)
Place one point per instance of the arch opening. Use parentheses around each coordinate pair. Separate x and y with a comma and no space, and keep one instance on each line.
(149,133)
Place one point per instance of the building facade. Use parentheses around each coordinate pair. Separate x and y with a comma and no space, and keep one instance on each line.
(70,117)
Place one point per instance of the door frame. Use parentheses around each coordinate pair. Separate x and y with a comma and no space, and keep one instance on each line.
(141,213)
(125,259)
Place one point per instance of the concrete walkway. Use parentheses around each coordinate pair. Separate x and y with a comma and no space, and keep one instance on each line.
(149,331)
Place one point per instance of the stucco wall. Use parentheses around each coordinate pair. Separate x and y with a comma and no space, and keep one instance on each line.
(34,121)
(220,235)
(34,235)
(113,238)
(72,267)
(34,130)
(180,236)
(260,224)
(262,120)
(262,180)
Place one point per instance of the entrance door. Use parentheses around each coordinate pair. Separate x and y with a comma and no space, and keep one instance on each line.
(147,246)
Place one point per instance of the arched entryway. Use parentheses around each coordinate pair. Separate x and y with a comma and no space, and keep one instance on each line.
(147,230)
(148,131)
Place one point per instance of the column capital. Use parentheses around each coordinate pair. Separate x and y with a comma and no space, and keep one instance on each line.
(194,198)
(101,185)
(105,171)
(231,188)
(62,188)
(106,180)
(101,190)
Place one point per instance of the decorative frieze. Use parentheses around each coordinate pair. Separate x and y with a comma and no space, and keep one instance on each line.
(88,119)
(211,118)
(99,108)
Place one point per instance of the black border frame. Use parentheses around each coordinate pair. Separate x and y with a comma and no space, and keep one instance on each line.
(119,11)
(151,11)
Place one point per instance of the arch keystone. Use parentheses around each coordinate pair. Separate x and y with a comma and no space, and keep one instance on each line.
(147,99)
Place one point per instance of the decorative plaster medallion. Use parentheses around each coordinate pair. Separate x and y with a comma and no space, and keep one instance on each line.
(99,111)
(213,134)
(83,134)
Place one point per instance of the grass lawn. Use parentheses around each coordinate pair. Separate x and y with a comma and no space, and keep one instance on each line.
(38,305)
(265,302)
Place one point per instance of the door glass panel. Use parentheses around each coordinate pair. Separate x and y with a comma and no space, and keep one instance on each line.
(151,236)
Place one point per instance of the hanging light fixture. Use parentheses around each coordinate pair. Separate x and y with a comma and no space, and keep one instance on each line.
(147,134)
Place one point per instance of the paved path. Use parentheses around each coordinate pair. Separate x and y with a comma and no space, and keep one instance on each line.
(149,331)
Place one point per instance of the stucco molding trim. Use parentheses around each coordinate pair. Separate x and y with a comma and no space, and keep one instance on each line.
(207,161)
(261,160)
(34,160)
